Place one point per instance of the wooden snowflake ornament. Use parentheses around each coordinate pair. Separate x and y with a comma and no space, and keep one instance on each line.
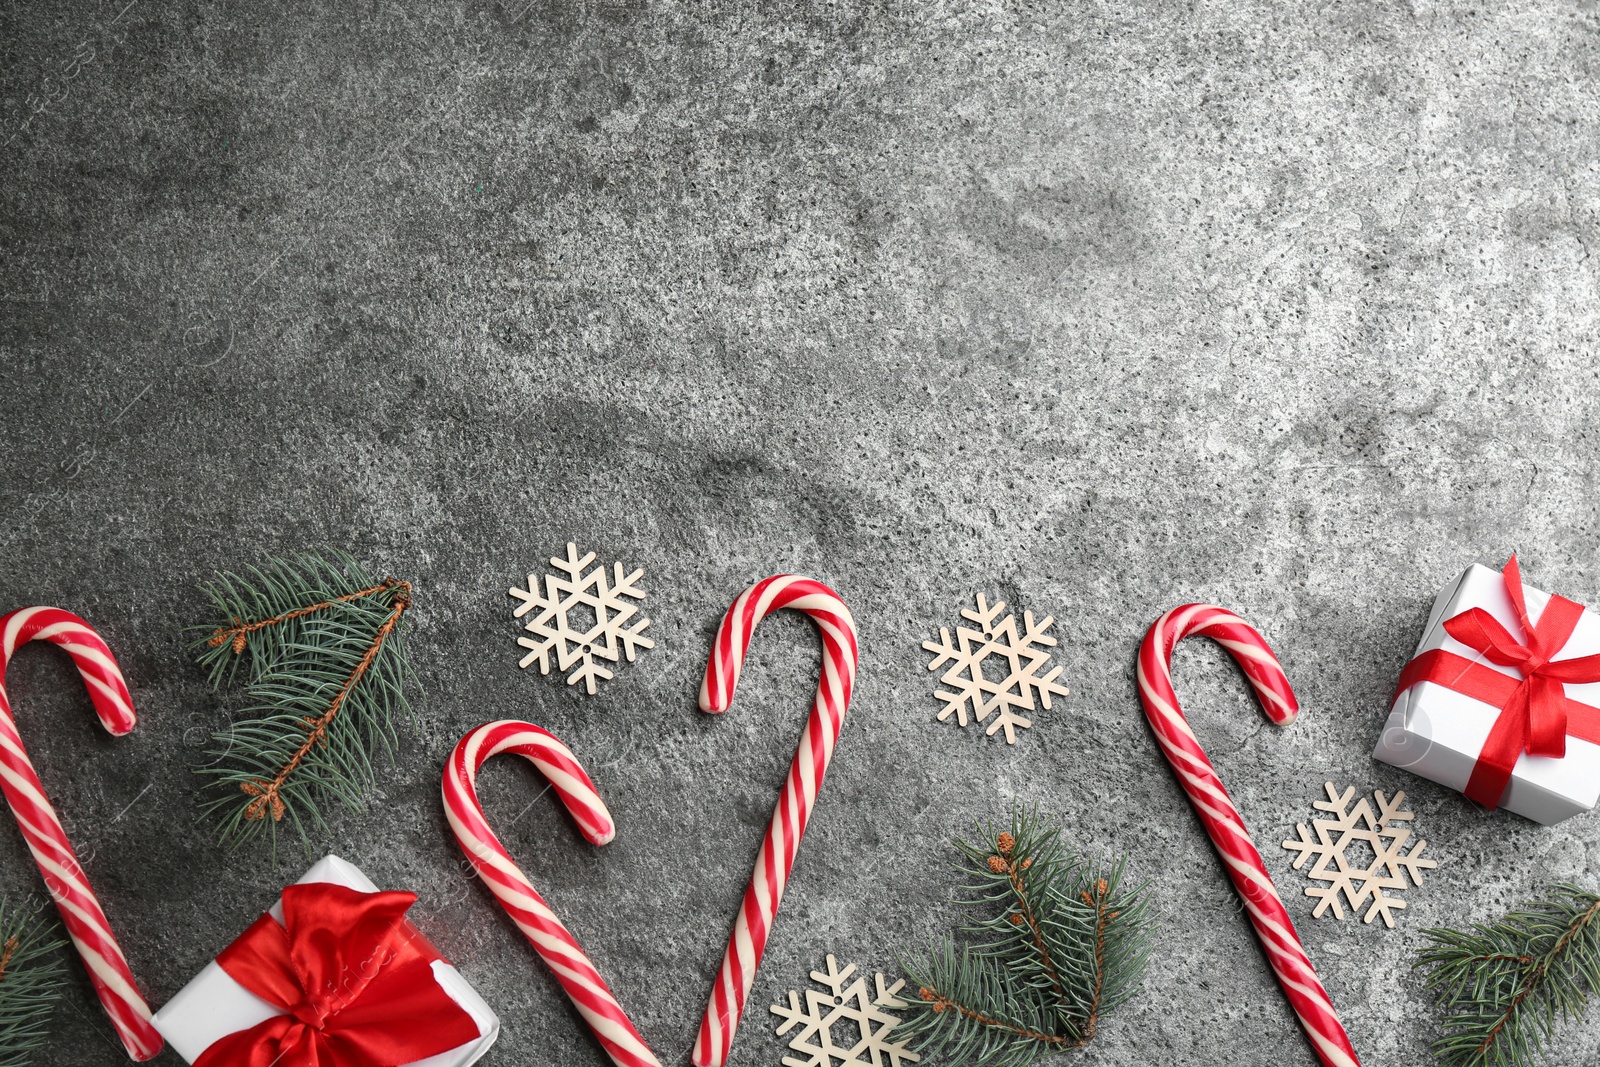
(863,1024)
(1017,658)
(1358,825)
(563,624)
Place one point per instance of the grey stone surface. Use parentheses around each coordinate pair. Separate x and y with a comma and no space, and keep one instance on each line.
(1096,307)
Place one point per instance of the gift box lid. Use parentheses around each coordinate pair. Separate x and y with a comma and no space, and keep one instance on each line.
(213,1005)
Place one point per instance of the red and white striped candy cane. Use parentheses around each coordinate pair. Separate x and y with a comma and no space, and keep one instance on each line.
(1211,802)
(81,913)
(554,943)
(773,863)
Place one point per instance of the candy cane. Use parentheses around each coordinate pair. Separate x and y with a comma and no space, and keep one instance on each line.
(776,859)
(554,943)
(85,921)
(1211,802)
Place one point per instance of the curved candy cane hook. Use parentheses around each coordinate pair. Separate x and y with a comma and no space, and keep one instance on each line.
(554,943)
(1273,927)
(81,913)
(749,939)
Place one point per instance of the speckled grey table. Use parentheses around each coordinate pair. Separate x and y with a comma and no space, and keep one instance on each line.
(1094,307)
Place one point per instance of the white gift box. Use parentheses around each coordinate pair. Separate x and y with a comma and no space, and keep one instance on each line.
(213,1005)
(1438,733)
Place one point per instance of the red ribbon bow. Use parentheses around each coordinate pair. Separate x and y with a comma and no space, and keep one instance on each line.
(1536,715)
(355,979)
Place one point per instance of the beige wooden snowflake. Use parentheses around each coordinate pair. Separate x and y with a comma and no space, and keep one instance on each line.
(862,1023)
(1016,658)
(1390,864)
(582,619)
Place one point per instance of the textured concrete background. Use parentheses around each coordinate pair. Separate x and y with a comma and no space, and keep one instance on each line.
(1093,307)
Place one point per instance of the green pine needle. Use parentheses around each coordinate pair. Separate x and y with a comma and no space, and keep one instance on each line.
(307,737)
(1055,943)
(1504,986)
(31,980)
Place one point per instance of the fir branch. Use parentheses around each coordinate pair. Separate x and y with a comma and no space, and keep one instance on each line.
(1054,944)
(1505,985)
(31,981)
(325,678)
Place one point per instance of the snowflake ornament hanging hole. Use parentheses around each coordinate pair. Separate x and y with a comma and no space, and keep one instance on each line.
(1014,658)
(583,619)
(1358,828)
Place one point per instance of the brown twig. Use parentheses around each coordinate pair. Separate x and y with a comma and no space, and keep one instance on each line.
(12,944)
(1098,902)
(1536,975)
(1004,864)
(236,634)
(266,793)
(942,1003)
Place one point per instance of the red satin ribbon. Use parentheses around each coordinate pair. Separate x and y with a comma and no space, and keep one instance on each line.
(1536,716)
(355,979)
